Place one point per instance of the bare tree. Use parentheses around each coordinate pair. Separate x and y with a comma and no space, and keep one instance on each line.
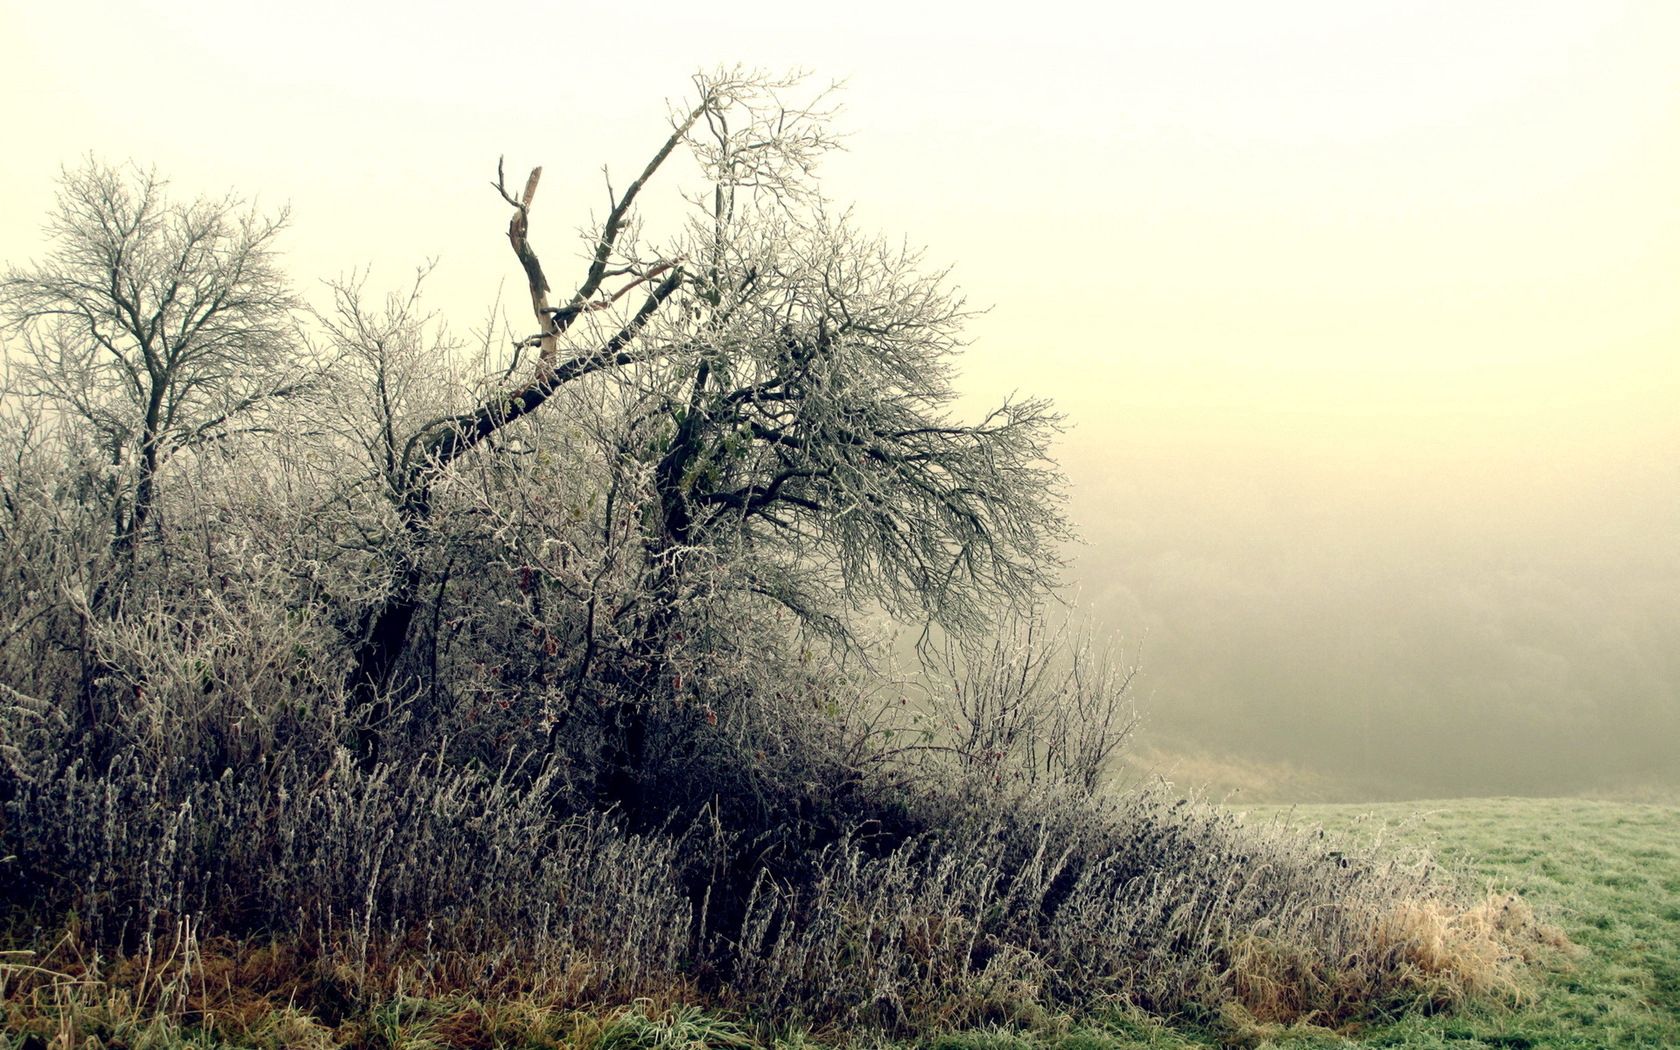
(159,324)
(805,420)
(781,421)
(786,434)
(799,413)
(430,451)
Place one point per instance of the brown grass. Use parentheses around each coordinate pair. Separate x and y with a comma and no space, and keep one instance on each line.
(289,995)
(1424,954)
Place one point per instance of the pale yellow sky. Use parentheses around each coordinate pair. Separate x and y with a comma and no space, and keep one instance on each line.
(1321,285)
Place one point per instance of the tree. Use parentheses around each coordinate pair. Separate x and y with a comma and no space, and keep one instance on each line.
(797,433)
(780,421)
(158,324)
(801,417)
(430,451)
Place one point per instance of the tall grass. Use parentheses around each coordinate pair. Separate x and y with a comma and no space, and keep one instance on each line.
(1049,901)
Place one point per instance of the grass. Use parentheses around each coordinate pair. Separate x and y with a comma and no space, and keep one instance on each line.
(1607,874)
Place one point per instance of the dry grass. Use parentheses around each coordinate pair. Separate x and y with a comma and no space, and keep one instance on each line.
(1046,904)
(1461,968)
(1009,915)
(1423,954)
(268,996)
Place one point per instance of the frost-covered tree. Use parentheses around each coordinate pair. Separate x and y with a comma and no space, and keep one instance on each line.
(157,323)
(779,413)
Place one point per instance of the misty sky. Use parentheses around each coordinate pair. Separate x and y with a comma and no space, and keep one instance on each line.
(1365,316)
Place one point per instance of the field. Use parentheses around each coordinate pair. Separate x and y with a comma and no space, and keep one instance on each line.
(1606,873)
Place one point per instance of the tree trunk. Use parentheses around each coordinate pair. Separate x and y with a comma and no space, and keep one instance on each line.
(145,482)
(383,640)
(384,635)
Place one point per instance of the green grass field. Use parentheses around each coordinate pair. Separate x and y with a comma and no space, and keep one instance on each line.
(1606,874)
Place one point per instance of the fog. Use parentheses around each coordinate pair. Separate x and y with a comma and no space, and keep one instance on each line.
(1381,624)
(1365,322)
